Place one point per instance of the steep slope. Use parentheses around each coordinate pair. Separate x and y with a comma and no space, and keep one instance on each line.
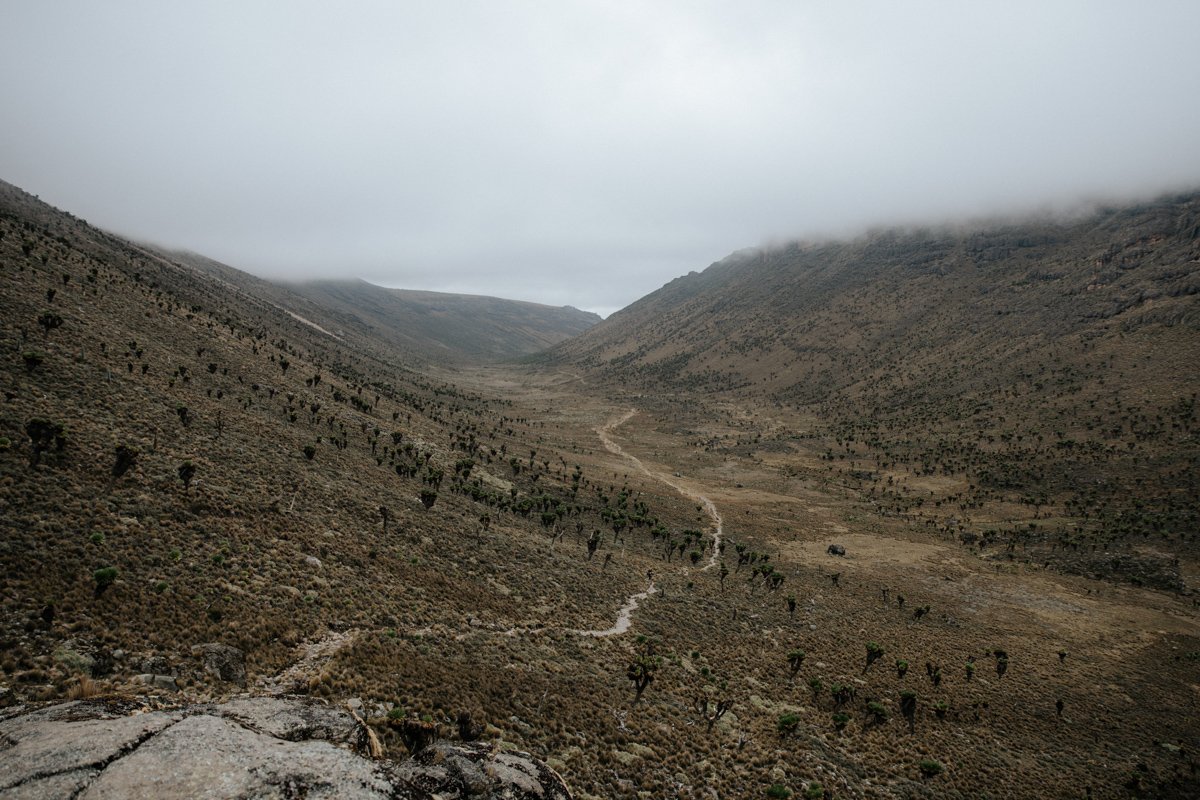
(448,325)
(1047,371)
(201,492)
(239,500)
(429,327)
(796,323)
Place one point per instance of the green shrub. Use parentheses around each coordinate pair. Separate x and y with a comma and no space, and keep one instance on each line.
(187,471)
(874,653)
(930,768)
(44,434)
(126,459)
(104,577)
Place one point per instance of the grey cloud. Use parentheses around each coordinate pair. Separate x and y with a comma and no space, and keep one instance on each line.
(581,153)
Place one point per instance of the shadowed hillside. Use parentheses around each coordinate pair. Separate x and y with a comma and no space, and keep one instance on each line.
(449,325)
(419,326)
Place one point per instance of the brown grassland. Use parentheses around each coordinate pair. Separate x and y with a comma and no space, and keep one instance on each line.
(953,651)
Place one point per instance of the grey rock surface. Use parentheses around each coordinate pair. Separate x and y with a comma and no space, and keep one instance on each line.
(58,740)
(269,747)
(210,757)
(165,682)
(477,769)
(225,662)
(289,719)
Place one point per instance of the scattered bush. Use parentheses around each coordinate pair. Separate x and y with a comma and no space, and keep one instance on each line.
(32,359)
(787,724)
(187,471)
(104,577)
(795,660)
(49,321)
(874,653)
(125,461)
(44,434)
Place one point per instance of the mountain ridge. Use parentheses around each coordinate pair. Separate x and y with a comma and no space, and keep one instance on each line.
(206,491)
(1047,365)
(470,327)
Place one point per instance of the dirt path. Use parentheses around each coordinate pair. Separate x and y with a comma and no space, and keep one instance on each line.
(314,656)
(710,508)
(624,617)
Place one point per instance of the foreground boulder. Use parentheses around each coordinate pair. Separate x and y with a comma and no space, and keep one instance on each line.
(222,661)
(265,747)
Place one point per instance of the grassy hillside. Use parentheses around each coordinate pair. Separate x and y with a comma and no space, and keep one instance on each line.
(1036,381)
(427,327)
(186,460)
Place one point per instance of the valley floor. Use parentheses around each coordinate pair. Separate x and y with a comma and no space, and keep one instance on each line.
(989,645)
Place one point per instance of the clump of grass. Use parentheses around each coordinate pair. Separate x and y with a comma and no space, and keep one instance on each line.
(83,688)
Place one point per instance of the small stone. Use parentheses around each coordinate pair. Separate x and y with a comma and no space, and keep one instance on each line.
(165,682)
(157,665)
(313,562)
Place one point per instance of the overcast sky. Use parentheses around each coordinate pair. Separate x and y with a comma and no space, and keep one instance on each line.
(581,153)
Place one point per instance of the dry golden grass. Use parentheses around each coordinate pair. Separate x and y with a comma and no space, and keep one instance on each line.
(450,613)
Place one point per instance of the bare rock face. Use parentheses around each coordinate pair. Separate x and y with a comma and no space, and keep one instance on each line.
(477,770)
(266,747)
(225,662)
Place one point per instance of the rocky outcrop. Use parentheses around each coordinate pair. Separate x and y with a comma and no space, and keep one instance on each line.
(222,661)
(267,747)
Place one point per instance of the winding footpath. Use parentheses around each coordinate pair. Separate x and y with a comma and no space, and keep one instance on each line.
(710,508)
(624,616)
(315,654)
